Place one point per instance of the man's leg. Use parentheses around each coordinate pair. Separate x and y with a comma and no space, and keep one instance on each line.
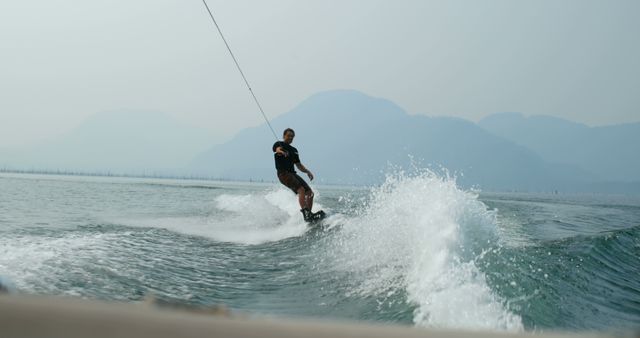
(309,198)
(304,190)
(302,198)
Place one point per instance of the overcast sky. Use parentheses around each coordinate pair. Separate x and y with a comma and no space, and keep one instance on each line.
(63,60)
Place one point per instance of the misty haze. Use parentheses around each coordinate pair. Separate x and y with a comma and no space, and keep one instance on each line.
(311,168)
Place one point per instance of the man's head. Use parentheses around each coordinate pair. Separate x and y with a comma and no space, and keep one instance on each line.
(288,135)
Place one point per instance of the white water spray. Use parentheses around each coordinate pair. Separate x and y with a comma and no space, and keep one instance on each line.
(409,238)
(243,219)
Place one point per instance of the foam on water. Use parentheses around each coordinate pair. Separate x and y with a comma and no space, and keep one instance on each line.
(410,238)
(244,219)
(27,260)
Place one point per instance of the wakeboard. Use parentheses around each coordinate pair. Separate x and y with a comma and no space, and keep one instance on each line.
(317,217)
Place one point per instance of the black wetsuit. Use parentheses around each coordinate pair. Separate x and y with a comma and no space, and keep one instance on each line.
(285,163)
(285,166)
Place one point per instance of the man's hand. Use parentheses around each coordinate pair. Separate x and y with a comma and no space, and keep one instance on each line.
(305,170)
(281,152)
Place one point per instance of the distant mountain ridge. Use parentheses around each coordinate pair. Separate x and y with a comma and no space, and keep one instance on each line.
(131,142)
(610,153)
(348,137)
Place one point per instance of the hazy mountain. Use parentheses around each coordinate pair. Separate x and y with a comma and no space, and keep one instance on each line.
(348,137)
(117,141)
(611,153)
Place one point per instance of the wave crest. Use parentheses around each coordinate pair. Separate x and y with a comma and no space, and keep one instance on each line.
(417,234)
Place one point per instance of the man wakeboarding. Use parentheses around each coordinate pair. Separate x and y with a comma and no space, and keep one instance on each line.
(286,157)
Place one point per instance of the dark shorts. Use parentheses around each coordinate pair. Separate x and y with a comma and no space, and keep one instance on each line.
(293,181)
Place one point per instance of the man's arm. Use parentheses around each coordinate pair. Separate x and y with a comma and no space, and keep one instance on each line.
(304,169)
(281,151)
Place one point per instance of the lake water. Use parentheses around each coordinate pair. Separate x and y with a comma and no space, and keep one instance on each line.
(416,250)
